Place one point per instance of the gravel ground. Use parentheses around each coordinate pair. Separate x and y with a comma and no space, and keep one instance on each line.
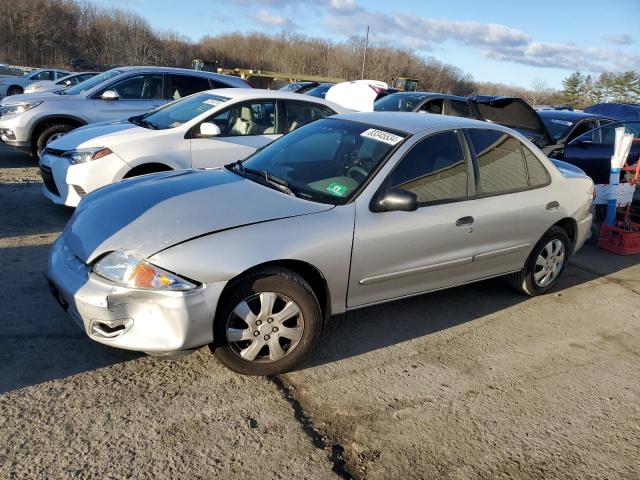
(474,382)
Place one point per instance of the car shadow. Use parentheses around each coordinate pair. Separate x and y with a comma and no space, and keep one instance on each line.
(26,212)
(377,327)
(12,158)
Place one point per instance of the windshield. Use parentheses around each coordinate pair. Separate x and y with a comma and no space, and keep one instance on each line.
(325,161)
(176,113)
(398,103)
(92,82)
(558,128)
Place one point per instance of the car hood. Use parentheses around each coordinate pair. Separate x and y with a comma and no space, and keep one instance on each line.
(31,97)
(147,214)
(104,134)
(512,112)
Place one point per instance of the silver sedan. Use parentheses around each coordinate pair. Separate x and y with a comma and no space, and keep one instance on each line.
(346,212)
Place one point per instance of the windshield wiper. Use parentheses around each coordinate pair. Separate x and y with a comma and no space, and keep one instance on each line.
(276,182)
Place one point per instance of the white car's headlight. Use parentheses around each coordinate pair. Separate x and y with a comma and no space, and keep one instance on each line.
(133,272)
(17,108)
(82,155)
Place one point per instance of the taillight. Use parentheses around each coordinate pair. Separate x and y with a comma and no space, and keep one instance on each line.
(377,89)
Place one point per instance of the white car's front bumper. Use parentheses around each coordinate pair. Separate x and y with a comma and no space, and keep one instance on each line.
(134,319)
(66,183)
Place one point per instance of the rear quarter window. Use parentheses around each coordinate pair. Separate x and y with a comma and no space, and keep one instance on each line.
(500,162)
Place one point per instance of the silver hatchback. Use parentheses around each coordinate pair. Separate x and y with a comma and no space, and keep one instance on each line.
(345,212)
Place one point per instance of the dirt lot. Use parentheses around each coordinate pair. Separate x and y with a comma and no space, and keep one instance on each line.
(475,382)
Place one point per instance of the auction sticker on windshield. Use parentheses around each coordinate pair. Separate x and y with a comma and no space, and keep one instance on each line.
(337,189)
(382,136)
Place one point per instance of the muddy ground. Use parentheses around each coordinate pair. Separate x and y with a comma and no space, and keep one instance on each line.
(474,382)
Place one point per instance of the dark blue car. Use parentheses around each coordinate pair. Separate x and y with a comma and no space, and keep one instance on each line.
(592,151)
(617,111)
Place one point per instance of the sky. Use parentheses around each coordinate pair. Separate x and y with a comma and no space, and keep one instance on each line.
(513,42)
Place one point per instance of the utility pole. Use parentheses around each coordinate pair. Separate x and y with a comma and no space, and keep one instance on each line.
(364,57)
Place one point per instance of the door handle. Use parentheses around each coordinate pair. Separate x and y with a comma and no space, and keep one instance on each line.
(464,222)
(552,205)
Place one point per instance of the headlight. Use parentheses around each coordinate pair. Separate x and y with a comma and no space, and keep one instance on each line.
(130,271)
(82,155)
(17,108)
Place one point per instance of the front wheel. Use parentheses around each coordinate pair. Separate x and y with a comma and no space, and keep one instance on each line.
(14,90)
(545,264)
(49,135)
(267,323)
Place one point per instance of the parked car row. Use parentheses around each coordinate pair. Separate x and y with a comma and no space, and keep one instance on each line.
(30,122)
(16,85)
(304,210)
(58,85)
(207,129)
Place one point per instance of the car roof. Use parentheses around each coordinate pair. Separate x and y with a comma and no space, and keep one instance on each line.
(231,79)
(412,122)
(567,114)
(250,93)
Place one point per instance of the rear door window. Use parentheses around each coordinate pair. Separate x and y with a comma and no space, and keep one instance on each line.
(501,166)
(538,174)
(432,106)
(183,85)
(301,113)
(458,108)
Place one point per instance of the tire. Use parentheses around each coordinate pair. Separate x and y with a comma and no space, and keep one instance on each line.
(145,169)
(531,280)
(260,336)
(53,132)
(14,90)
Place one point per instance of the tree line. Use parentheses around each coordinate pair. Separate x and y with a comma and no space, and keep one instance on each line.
(51,32)
(580,90)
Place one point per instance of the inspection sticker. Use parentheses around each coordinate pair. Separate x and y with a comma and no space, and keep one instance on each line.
(337,189)
(213,102)
(382,136)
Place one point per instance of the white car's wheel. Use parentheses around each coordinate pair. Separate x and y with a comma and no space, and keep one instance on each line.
(50,134)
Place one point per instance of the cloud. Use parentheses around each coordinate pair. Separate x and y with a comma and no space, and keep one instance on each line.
(622,39)
(492,40)
(347,18)
(273,20)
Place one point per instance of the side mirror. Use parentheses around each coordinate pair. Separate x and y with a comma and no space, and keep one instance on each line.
(209,129)
(110,95)
(394,200)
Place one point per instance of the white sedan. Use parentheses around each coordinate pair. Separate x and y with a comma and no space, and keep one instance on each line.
(207,129)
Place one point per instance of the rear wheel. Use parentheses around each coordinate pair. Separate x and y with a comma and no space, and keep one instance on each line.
(14,90)
(545,264)
(267,323)
(50,134)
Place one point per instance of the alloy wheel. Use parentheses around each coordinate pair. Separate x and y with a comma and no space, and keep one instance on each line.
(264,327)
(549,263)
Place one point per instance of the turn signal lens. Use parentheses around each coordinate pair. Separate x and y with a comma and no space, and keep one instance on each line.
(130,271)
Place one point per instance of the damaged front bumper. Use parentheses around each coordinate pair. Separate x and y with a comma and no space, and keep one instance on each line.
(156,322)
